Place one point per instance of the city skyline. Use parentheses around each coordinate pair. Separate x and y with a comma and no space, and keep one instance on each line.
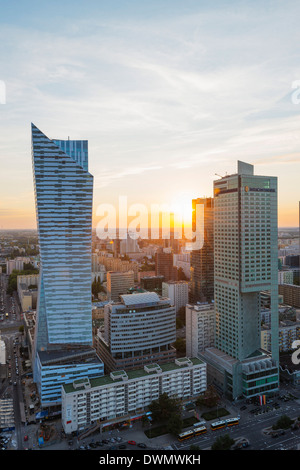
(167,95)
(149,228)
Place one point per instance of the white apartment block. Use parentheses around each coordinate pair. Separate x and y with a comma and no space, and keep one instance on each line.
(17,263)
(286,277)
(200,323)
(288,333)
(123,394)
(177,292)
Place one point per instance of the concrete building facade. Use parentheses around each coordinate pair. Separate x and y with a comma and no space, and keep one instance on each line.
(122,393)
(177,292)
(200,328)
(118,283)
(246,263)
(138,330)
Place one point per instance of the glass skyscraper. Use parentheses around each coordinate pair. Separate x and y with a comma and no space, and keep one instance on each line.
(63,196)
(202,260)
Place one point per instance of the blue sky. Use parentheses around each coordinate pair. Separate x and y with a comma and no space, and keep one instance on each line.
(168,93)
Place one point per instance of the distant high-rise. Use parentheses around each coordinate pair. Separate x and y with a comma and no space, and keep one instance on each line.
(199,328)
(63,195)
(172,242)
(152,283)
(245,263)
(164,266)
(119,283)
(202,260)
(177,292)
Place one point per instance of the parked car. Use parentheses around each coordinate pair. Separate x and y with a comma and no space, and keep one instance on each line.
(142,445)
(133,443)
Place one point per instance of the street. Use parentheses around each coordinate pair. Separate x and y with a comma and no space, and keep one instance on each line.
(9,328)
(251,427)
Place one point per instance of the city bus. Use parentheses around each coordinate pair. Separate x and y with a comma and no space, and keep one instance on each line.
(186,435)
(232,421)
(217,425)
(200,430)
(192,433)
(200,423)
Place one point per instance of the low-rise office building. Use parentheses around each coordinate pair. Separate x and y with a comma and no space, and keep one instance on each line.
(58,368)
(199,332)
(139,330)
(118,283)
(177,292)
(288,333)
(290,293)
(27,286)
(152,283)
(286,277)
(256,375)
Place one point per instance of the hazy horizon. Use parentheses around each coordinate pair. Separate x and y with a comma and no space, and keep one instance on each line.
(167,93)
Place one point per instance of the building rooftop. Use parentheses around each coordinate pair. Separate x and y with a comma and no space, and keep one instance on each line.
(151,369)
(69,356)
(140,299)
(204,306)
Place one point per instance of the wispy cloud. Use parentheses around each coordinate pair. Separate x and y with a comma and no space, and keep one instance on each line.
(173,97)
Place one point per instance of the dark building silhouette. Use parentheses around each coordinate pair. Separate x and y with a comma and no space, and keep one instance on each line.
(202,260)
(164,266)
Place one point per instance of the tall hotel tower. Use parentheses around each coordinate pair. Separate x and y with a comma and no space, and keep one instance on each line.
(245,263)
(63,196)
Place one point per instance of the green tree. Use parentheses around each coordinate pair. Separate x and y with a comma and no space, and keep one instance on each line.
(284,422)
(180,345)
(145,420)
(12,280)
(174,425)
(163,408)
(28,267)
(181,275)
(181,315)
(97,286)
(210,398)
(223,443)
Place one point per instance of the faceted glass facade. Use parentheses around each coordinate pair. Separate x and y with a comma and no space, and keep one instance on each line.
(63,196)
(202,260)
